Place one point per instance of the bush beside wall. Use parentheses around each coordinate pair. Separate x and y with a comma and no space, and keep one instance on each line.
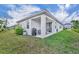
(19,30)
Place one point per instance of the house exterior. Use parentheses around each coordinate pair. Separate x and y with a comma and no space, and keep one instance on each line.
(68,25)
(41,24)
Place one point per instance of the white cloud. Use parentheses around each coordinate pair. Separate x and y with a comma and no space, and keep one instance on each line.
(73,16)
(61,7)
(67,5)
(61,13)
(69,19)
(21,12)
(64,6)
(11,22)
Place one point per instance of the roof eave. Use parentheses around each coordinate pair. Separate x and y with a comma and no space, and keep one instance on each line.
(42,12)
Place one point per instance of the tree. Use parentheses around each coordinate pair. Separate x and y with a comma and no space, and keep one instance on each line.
(6,22)
(1,22)
(75,24)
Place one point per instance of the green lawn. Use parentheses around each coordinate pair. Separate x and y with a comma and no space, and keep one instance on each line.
(63,42)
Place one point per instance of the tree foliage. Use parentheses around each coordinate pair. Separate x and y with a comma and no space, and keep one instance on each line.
(19,30)
(1,22)
(75,25)
(3,25)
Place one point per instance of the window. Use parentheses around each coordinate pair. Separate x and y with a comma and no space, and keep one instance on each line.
(39,32)
(55,23)
(27,25)
(55,27)
(56,30)
(60,27)
(49,27)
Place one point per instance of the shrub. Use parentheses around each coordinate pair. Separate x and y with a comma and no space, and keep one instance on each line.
(2,29)
(76,30)
(19,30)
(64,28)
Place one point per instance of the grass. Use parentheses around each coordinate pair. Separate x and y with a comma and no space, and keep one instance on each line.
(66,41)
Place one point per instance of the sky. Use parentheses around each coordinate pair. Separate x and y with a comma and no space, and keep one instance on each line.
(15,12)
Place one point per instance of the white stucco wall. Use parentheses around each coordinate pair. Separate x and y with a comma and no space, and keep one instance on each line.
(55,23)
(36,24)
(41,25)
(24,26)
(58,26)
